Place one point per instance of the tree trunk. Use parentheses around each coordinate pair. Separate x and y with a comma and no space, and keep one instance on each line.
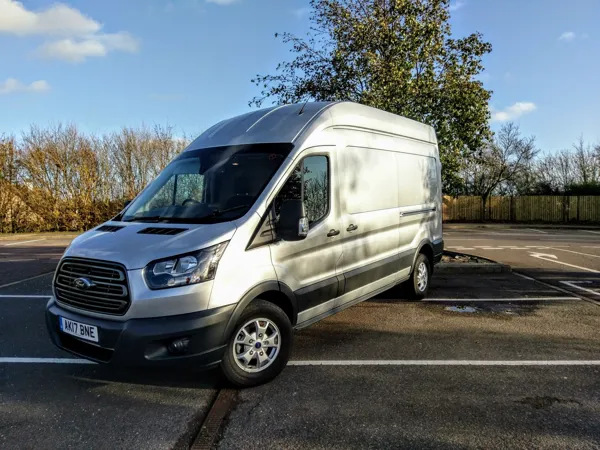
(484,198)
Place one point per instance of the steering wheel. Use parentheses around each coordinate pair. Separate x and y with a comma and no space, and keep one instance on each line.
(189,201)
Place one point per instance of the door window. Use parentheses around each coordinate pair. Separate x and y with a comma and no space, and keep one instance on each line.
(310,182)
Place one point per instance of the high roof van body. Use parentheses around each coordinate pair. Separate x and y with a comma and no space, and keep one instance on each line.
(266,223)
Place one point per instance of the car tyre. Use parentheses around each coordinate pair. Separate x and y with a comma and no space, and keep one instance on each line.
(254,333)
(417,286)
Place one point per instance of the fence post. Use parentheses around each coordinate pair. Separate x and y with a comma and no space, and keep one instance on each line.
(578,202)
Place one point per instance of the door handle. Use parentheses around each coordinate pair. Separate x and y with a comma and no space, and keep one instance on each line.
(333,232)
(352,227)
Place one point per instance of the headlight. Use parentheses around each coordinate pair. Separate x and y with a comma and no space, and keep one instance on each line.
(186,269)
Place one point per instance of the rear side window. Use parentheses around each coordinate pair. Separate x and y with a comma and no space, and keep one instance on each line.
(310,179)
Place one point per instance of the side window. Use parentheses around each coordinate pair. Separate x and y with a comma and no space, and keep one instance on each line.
(316,187)
(310,181)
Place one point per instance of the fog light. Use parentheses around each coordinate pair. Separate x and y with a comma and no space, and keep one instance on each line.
(179,346)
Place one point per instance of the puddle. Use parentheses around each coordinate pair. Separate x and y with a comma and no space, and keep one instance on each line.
(497,309)
(462,309)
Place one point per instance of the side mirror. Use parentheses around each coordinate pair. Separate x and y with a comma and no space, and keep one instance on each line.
(293,223)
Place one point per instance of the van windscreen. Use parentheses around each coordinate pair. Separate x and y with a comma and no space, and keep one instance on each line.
(208,185)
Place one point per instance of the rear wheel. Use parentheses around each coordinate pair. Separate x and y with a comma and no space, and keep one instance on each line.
(260,346)
(418,284)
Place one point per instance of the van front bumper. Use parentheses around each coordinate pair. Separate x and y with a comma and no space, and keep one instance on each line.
(146,342)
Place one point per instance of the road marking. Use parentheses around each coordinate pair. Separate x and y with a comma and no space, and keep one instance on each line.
(383,362)
(26,279)
(574,285)
(538,231)
(442,362)
(16,260)
(556,288)
(589,231)
(524,276)
(547,257)
(24,242)
(44,361)
(577,253)
(24,296)
(519,299)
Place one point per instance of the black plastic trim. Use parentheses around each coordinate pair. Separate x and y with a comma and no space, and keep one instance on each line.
(318,293)
(144,342)
(370,273)
(438,250)
(255,292)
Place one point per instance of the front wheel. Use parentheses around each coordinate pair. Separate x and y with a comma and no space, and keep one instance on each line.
(260,346)
(418,285)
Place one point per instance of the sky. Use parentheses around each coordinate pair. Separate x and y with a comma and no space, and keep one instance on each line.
(188,63)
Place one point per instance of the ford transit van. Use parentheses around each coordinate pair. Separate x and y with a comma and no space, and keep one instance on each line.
(266,223)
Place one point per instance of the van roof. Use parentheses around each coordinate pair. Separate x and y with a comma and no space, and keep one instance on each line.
(285,124)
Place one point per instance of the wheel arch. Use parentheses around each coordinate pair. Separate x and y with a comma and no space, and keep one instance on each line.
(272,291)
(425,247)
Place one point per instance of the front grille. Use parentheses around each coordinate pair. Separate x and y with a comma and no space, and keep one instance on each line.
(106,292)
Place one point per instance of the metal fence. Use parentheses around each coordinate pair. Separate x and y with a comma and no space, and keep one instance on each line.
(530,208)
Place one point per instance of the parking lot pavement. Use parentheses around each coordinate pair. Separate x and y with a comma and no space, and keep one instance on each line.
(420,407)
(50,406)
(29,256)
(460,370)
(556,256)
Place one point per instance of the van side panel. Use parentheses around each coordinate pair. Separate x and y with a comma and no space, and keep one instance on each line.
(369,199)
(418,188)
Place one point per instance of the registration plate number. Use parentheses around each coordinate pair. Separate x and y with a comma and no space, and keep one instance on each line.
(81,330)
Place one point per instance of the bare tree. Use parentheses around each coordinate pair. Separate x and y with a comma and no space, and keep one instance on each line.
(504,159)
(586,162)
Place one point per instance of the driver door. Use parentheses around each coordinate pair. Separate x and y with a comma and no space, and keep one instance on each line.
(308,266)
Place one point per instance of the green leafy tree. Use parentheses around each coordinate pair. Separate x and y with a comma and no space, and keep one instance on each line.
(396,55)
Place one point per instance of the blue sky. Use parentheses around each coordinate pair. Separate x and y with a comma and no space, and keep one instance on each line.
(106,64)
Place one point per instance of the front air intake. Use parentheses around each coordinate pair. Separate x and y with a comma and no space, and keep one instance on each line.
(164,231)
(92,285)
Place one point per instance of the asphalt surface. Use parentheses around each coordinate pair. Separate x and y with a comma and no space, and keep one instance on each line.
(567,258)
(437,403)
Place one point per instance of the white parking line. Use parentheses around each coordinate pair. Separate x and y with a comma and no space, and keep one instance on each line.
(571,251)
(23,242)
(519,299)
(11,360)
(26,279)
(575,285)
(589,231)
(380,362)
(538,231)
(442,362)
(544,257)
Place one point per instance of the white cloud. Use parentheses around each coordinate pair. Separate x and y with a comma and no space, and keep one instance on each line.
(567,36)
(79,36)
(458,4)
(58,19)
(13,85)
(222,2)
(79,49)
(513,112)
(301,12)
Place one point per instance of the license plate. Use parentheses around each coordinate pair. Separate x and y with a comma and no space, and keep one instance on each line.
(81,330)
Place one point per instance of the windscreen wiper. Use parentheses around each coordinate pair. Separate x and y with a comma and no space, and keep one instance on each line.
(220,212)
(147,219)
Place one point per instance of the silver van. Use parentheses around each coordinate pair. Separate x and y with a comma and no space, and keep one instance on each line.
(266,223)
